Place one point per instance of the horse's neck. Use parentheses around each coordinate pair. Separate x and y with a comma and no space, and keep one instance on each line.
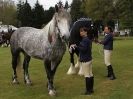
(51,30)
(50,27)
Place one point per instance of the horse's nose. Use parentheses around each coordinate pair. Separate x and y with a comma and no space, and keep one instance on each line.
(66,38)
(63,37)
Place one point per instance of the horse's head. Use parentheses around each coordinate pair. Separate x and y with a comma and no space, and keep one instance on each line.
(62,20)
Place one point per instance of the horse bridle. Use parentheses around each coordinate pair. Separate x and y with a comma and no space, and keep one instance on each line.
(56,25)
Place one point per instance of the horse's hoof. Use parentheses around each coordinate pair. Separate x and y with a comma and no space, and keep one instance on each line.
(28,83)
(71,70)
(15,81)
(52,93)
(77,65)
(80,73)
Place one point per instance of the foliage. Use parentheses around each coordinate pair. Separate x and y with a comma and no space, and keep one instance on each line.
(38,18)
(25,14)
(35,17)
(110,11)
(66,5)
(8,13)
(49,14)
(125,13)
(100,10)
(75,9)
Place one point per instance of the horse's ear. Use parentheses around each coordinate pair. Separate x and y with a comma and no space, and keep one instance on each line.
(56,8)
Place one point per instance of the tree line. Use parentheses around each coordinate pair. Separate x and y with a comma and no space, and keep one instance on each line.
(102,12)
(7,13)
(105,12)
(24,15)
(34,17)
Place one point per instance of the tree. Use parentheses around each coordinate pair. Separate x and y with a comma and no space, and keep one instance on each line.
(125,14)
(49,14)
(7,13)
(101,10)
(38,15)
(19,12)
(75,10)
(82,9)
(24,14)
(66,5)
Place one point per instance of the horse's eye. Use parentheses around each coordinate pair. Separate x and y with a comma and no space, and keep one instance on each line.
(58,20)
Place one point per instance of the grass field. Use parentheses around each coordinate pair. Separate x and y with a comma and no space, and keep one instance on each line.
(70,87)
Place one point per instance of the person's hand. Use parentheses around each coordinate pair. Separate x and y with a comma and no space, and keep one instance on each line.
(95,40)
(72,47)
(99,42)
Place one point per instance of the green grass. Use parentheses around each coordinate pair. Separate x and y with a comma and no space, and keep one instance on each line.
(70,87)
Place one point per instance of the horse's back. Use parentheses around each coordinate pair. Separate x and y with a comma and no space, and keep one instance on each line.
(25,31)
(27,38)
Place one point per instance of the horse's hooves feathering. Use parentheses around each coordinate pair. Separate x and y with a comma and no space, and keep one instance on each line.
(52,93)
(15,81)
(72,70)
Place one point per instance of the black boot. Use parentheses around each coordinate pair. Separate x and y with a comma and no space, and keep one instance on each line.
(88,86)
(92,84)
(108,69)
(111,74)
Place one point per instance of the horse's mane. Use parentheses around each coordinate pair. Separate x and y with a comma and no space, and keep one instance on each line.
(75,37)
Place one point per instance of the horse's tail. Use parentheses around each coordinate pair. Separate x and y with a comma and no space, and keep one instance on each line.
(11,34)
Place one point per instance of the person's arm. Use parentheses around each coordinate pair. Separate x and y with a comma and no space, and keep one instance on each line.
(106,40)
(83,47)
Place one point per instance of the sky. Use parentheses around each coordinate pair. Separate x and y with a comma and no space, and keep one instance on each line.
(46,3)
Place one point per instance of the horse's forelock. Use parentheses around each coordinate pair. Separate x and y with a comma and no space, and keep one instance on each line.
(63,14)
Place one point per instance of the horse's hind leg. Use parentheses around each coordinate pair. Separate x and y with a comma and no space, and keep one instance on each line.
(15,60)
(77,65)
(25,67)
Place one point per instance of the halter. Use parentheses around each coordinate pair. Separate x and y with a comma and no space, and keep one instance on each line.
(56,25)
(52,37)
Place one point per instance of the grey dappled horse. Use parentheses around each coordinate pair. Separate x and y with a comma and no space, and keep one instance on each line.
(47,44)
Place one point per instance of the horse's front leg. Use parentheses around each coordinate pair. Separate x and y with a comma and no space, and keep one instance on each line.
(25,67)
(51,67)
(72,69)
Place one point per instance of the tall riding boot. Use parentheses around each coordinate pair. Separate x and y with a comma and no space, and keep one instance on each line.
(111,74)
(88,86)
(108,69)
(92,84)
